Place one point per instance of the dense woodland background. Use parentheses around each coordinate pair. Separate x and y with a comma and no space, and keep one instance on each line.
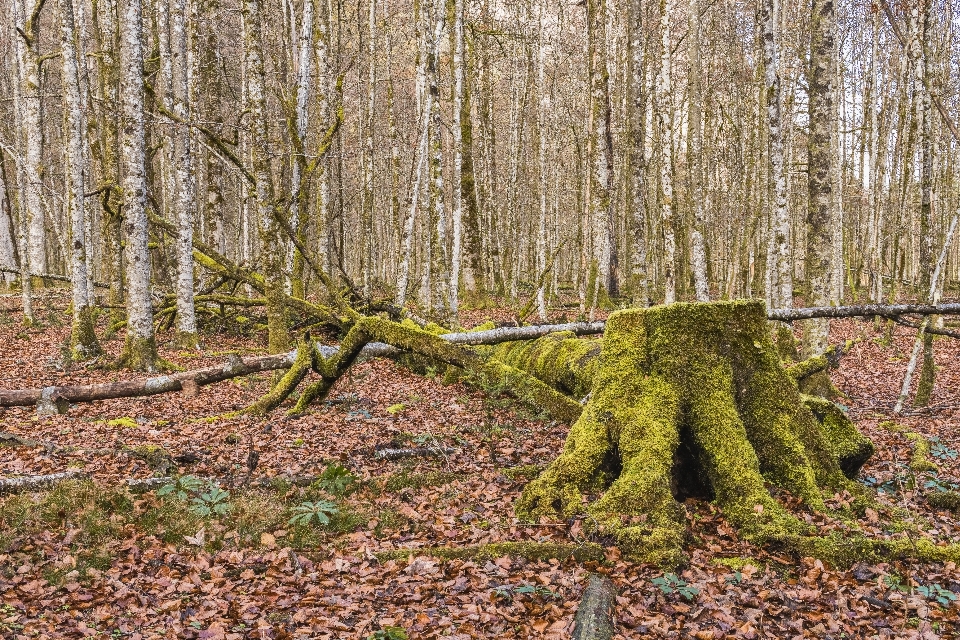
(431,151)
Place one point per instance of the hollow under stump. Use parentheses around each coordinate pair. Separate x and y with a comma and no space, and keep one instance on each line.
(692,400)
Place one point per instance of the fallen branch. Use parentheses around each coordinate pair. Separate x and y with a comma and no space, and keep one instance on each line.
(413,452)
(51,276)
(12,439)
(36,483)
(864,310)
(233,368)
(594,619)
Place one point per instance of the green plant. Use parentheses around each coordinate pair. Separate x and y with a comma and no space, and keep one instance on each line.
(182,488)
(206,498)
(894,584)
(396,408)
(944,597)
(213,501)
(307,512)
(670,583)
(941,451)
(336,480)
(388,633)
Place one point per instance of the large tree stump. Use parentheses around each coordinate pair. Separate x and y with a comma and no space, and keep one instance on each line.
(692,399)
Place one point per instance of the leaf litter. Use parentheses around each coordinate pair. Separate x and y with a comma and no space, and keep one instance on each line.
(290,561)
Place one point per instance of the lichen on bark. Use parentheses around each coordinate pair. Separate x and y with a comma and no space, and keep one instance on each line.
(690,398)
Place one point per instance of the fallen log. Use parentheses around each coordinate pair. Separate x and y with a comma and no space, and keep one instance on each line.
(413,452)
(864,310)
(594,619)
(36,483)
(233,368)
(241,367)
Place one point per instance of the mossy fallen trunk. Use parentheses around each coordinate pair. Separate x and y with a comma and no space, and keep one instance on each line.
(692,399)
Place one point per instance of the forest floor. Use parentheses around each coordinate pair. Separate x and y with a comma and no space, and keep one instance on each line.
(90,559)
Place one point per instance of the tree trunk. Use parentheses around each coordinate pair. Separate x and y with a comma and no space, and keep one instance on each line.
(273,256)
(184,199)
(83,339)
(780,263)
(665,117)
(698,250)
(691,399)
(140,350)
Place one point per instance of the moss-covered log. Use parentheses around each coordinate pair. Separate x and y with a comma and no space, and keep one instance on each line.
(692,399)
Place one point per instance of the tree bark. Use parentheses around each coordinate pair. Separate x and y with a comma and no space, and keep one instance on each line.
(140,350)
(185,189)
(83,339)
(595,614)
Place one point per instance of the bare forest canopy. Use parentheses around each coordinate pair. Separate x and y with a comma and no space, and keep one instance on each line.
(328,160)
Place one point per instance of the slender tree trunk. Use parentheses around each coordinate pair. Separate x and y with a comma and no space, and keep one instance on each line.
(665,116)
(698,251)
(638,156)
(185,198)
(601,176)
(140,351)
(819,255)
(271,249)
(8,248)
(299,194)
(23,226)
(456,251)
(542,118)
(366,214)
(83,339)
(439,269)
(780,262)
(27,37)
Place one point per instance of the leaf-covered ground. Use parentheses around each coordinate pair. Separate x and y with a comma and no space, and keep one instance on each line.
(92,560)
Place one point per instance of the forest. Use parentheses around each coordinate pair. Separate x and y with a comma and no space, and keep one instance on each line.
(400,319)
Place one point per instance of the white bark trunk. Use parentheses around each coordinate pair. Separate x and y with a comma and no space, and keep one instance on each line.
(84,342)
(31,124)
(780,267)
(458,79)
(698,251)
(183,173)
(665,115)
(133,169)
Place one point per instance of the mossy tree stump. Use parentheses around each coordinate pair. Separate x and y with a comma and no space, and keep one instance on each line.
(693,399)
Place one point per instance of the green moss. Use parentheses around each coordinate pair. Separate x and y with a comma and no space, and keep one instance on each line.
(588,552)
(560,359)
(523,472)
(844,550)
(702,381)
(155,456)
(487,325)
(140,354)
(948,500)
(83,338)
(403,480)
(738,563)
(920,459)
(123,422)
(850,448)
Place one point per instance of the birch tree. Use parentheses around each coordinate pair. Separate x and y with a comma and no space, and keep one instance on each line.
(83,338)
(263,191)
(140,350)
(698,251)
(185,197)
(665,119)
(820,175)
(29,64)
(779,260)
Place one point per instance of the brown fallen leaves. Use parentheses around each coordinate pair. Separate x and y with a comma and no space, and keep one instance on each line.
(213,583)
